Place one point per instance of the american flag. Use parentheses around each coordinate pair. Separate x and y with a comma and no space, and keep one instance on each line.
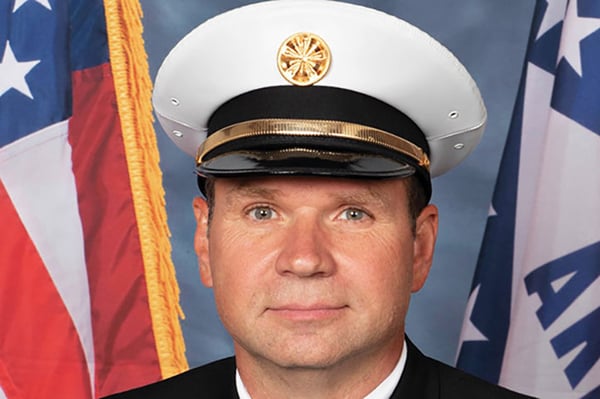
(88,298)
(533,317)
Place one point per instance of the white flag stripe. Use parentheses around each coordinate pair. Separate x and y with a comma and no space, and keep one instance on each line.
(49,210)
(561,217)
(565,215)
(535,110)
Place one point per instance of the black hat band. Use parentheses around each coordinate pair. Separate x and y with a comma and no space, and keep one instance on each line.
(319,103)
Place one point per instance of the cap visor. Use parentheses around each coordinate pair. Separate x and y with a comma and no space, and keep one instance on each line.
(304,162)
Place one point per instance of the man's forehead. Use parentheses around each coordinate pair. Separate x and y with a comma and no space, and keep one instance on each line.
(271,187)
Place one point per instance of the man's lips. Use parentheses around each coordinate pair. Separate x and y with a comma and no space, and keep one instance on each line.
(307,312)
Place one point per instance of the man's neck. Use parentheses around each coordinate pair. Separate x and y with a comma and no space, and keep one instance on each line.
(355,378)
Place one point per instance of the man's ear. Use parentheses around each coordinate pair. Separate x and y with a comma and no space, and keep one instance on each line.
(201,240)
(424,245)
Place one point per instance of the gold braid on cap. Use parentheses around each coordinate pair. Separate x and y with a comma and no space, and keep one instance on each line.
(315,128)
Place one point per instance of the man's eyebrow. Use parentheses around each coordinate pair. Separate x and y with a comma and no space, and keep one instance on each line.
(247,190)
(363,197)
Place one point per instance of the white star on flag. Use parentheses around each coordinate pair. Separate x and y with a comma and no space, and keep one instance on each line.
(19,3)
(575,30)
(13,72)
(471,332)
(552,16)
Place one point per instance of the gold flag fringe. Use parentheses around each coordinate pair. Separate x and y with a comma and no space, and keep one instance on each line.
(133,90)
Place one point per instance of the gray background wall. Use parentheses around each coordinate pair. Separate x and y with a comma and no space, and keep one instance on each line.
(489,37)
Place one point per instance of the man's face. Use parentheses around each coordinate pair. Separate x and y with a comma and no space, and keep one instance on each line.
(313,272)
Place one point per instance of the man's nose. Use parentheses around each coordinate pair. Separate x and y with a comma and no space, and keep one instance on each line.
(306,249)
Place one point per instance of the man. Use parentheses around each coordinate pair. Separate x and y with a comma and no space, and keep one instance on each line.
(317,126)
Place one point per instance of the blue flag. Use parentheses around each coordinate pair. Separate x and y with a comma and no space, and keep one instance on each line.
(532,321)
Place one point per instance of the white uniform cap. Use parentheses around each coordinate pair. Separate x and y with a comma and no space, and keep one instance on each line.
(338,88)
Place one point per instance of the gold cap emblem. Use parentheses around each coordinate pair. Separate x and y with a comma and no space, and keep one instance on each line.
(303,59)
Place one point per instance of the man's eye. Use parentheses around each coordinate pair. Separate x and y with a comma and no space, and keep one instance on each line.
(353,214)
(262,213)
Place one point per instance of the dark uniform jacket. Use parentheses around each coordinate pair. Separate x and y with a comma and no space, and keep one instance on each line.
(422,378)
